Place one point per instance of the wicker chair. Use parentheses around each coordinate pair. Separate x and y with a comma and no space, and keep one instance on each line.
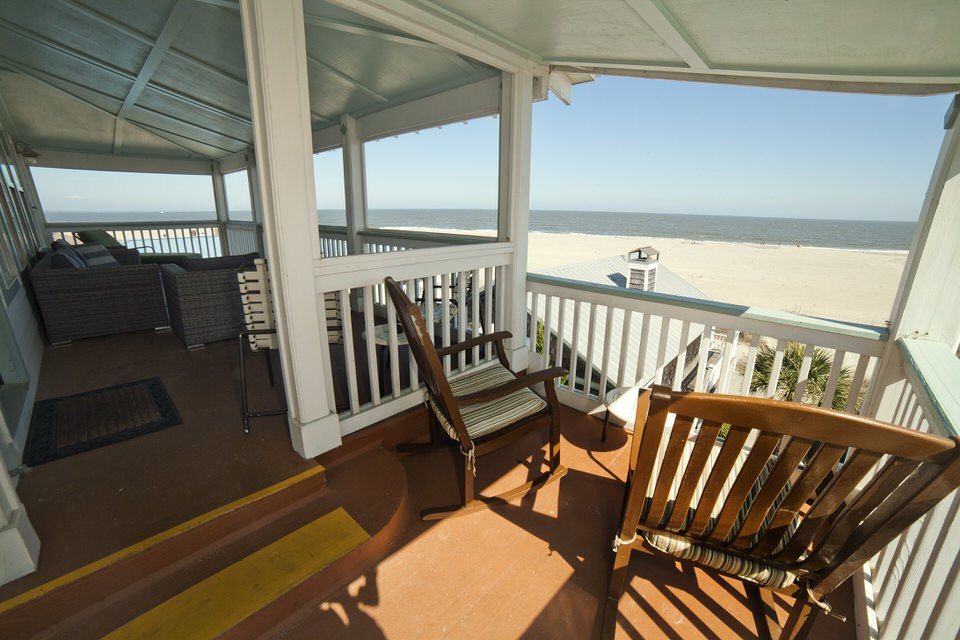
(204,305)
(98,301)
(491,409)
(795,500)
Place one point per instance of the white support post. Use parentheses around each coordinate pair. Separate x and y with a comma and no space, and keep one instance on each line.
(929,293)
(273,36)
(354,183)
(220,203)
(516,119)
(256,206)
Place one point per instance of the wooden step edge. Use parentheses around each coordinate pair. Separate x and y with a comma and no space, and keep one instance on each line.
(286,612)
(216,604)
(125,590)
(317,473)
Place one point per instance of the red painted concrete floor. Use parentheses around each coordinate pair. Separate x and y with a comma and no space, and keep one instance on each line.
(534,569)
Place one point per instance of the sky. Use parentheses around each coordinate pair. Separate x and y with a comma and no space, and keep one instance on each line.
(625,144)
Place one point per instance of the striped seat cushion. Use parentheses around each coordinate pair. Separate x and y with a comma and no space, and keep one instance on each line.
(487,417)
(96,255)
(753,571)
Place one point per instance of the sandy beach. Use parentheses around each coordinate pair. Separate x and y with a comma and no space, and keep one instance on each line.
(856,286)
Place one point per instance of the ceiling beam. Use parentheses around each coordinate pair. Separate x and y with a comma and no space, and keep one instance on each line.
(90,61)
(6,119)
(176,21)
(347,80)
(431,22)
(143,38)
(55,84)
(388,35)
(884,85)
(59,159)
(666,26)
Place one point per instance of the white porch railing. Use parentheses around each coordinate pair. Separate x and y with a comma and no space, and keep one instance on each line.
(916,578)
(201,237)
(621,337)
(334,243)
(241,237)
(457,289)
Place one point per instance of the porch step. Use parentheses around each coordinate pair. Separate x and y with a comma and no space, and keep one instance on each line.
(99,597)
(219,603)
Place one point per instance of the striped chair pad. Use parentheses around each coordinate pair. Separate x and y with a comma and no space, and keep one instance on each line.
(486,417)
(751,570)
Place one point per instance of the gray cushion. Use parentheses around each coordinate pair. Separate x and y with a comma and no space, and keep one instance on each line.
(486,417)
(217,264)
(96,255)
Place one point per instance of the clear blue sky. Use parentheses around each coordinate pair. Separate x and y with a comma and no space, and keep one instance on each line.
(625,145)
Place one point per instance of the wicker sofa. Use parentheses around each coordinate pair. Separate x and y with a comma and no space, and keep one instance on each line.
(97,301)
(204,299)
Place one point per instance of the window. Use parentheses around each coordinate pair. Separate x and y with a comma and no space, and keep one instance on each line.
(74,195)
(328,178)
(443,178)
(236,187)
(20,238)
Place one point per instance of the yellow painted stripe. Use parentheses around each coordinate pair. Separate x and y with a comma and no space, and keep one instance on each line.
(212,606)
(152,541)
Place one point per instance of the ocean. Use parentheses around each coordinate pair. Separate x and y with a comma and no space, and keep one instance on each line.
(842,234)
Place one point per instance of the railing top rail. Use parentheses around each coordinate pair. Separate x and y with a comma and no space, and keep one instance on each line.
(427,236)
(158,224)
(709,311)
(371,268)
(933,371)
(332,230)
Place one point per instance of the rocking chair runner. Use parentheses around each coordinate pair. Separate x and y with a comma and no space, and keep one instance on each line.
(493,407)
(814,497)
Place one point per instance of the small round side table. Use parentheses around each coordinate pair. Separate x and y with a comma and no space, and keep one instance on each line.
(621,402)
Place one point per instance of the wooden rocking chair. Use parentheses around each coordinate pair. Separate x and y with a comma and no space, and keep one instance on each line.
(798,511)
(481,410)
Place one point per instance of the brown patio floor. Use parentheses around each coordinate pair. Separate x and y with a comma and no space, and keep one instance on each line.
(91,504)
(534,569)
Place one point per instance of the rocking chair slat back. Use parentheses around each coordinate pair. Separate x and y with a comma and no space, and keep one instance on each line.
(425,353)
(798,488)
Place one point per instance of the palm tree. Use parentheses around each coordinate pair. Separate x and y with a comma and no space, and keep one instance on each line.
(820,365)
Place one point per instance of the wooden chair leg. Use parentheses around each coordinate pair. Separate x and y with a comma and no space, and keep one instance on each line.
(554,443)
(801,620)
(618,580)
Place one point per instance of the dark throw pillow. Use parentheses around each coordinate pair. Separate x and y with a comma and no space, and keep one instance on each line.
(217,264)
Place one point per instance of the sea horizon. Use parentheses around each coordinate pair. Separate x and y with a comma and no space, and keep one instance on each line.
(868,235)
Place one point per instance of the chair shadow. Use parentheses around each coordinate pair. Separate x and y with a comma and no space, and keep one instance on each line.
(342,616)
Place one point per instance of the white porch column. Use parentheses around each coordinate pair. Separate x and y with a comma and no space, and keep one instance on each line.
(220,203)
(929,293)
(354,183)
(273,36)
(513,207)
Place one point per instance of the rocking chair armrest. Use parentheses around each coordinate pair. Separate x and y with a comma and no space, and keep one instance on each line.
(499,336)
(546,376)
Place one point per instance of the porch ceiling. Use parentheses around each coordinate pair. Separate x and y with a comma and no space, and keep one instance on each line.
(910,45)
(167,78)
